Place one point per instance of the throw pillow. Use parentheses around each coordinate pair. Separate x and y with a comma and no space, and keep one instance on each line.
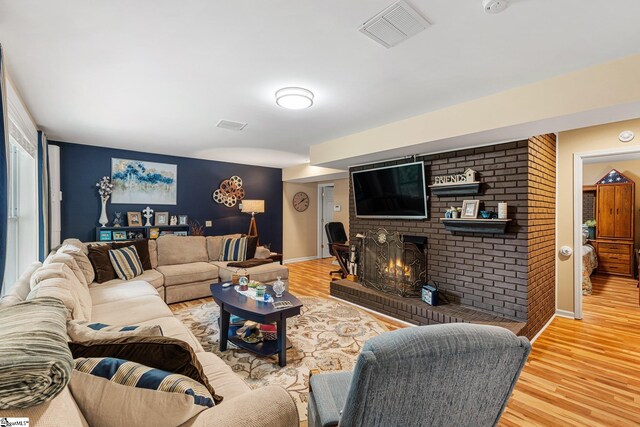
(126,262)
(262,253)
(114,392)
(99,257)
(79,331)
(70,262)
(165,353)
(252,244)
(57,279)
(142,246)
(234,249)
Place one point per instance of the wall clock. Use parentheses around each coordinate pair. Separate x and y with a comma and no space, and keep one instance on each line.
(301,201)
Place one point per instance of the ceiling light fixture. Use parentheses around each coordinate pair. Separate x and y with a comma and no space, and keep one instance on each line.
(495,6)
(294,98)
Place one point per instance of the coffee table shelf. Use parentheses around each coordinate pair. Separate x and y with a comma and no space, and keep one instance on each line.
(233,302)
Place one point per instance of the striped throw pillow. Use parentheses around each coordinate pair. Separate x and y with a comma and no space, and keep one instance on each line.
(126,262)
(234,249)
(106,388)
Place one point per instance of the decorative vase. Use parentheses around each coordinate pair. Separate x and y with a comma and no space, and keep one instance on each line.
(103,215)
(278,287)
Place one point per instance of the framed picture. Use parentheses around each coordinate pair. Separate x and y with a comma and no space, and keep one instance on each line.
(119,235)
(134,219)
(141,182)
(162,218)
(105,235)
(154,233)
(470,209)
(183,220)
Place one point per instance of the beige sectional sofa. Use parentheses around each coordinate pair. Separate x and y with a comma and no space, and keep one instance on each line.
(185,266)
(139,302)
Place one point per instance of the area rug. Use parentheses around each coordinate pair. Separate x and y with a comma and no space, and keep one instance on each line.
(328,336)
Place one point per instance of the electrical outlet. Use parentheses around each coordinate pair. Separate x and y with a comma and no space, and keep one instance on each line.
(208,224)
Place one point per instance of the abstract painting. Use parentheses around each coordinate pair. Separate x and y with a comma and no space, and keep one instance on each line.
(138,182)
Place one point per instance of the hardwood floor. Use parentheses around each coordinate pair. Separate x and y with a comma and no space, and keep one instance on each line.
(579,373)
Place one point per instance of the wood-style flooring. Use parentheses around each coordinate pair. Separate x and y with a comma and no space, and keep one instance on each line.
(580,372)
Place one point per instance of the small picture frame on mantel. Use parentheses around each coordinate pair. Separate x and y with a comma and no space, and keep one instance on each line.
(162,218)
(470,209)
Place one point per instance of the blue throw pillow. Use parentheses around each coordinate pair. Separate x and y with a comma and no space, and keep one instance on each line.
(234,249)
(126,262)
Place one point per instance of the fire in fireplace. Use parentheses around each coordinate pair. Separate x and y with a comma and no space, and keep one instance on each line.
(393,263)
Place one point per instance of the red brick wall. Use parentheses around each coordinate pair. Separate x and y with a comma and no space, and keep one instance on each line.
(542,231)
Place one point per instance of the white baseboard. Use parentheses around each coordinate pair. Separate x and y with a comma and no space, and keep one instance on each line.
(543,328)
(305,258)
(565,313)
(372,311)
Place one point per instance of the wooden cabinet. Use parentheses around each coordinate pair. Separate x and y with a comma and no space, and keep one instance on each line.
(615,228)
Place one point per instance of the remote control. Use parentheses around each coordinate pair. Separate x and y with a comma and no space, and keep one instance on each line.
(226,285)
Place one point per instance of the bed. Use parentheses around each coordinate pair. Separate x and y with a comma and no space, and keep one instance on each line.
(589,263)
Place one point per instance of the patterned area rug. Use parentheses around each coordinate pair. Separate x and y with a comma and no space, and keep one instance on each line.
(328,335)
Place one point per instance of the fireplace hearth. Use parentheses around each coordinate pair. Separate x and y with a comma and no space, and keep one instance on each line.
(393,263)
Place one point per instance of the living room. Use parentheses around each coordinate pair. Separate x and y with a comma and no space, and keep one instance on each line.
(291,214)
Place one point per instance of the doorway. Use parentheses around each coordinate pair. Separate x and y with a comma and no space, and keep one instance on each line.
(601,234)
(325,215)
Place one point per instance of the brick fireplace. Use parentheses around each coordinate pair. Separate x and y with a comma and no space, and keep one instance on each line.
(485,277)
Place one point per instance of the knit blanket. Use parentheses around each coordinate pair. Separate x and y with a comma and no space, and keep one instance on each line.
(250,263)
(35,360)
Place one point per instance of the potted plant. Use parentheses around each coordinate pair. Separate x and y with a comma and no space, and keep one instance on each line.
(591,226)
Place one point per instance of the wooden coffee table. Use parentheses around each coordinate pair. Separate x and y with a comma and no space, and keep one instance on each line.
(232,302)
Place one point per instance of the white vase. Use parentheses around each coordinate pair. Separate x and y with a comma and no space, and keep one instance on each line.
(103,215)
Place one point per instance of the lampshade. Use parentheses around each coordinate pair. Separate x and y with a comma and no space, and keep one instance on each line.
(253,206)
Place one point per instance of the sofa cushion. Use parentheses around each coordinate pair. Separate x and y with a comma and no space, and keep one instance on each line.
(126,262)
(153,253)
(76,251)
(214,245)
(69,261)
(77,243)
(62,410)
(83,331)
(67,281)
(262,273)
(99,257)
(262,253)
(153,277)
(221,376)
(181,249)
(131,311)
(188,273)
(118,290)
(173,328)
(19,290)
(142,247)
(117,392)
(233,249)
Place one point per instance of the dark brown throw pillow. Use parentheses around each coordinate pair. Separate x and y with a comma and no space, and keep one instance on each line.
(252,244)
(167,354)
(99,257)
(142,246)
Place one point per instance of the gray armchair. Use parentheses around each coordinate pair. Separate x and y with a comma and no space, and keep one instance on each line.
(441,375)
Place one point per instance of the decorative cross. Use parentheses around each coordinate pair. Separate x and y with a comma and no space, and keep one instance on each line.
(147,214)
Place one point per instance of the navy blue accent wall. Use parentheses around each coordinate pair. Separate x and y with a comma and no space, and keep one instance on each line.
(83,165)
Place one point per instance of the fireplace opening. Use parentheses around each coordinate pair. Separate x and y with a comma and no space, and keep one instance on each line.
(393,263)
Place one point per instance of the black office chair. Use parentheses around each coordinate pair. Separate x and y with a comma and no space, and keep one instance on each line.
(338,246)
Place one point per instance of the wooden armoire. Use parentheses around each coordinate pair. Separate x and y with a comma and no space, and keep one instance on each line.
(615,224)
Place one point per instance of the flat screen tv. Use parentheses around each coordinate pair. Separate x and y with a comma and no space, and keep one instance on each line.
(390,192)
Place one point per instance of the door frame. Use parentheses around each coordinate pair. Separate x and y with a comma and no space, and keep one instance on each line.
(320,225)
(578,163)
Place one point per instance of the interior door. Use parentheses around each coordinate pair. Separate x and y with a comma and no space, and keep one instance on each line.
(327,216)
(623,208)
(605,225)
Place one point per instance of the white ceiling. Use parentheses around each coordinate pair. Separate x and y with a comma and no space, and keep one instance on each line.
(157,75)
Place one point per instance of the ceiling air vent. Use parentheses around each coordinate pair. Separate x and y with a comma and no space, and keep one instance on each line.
(394,25)
(231,125)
